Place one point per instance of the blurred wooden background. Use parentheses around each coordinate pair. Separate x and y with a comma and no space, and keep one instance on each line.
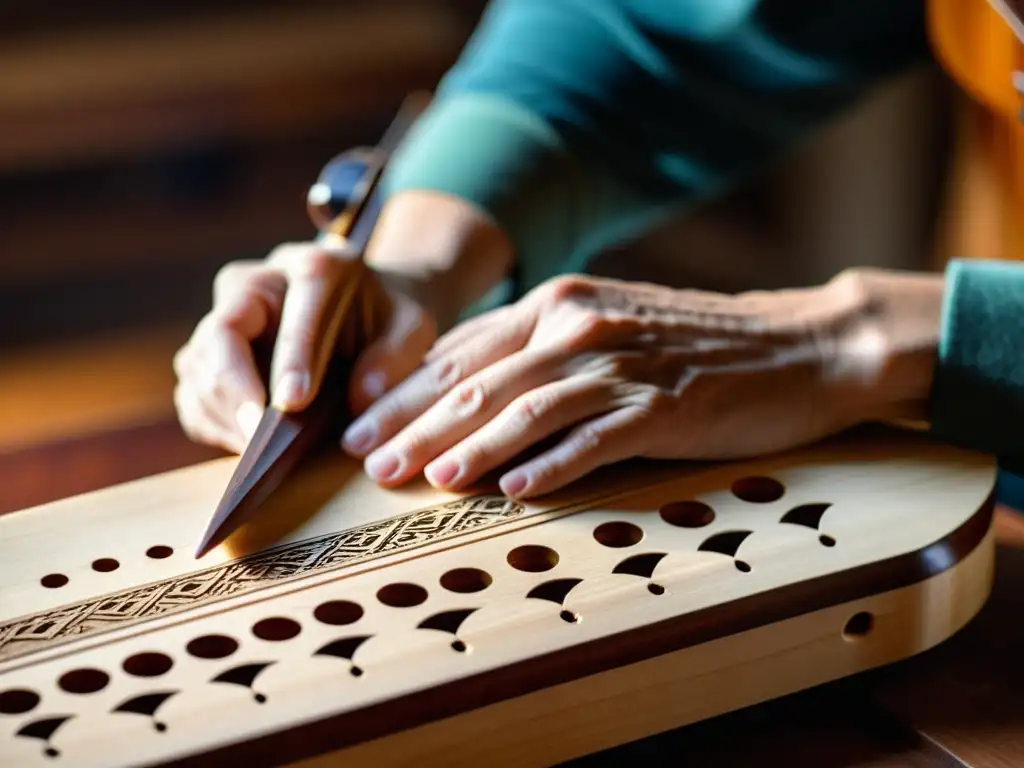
(143,145)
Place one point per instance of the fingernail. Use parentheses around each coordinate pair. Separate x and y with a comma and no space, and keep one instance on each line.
(513,483)
(359,438)
(291,389)
(373,385)
(442,472)
(382,466)
(248,417)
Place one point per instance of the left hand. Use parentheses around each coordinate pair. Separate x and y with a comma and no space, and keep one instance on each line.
(628,370)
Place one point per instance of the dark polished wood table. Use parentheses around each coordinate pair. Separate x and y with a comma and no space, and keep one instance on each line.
(960,704)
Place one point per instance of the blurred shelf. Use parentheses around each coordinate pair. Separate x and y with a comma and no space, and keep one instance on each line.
(71,95)
(62,390)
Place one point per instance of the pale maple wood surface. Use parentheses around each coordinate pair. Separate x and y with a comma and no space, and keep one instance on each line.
(944,484)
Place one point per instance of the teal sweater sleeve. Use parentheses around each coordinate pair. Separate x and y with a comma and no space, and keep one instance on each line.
(977,398)
(577,123)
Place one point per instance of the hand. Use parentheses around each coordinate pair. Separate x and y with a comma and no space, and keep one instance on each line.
(424,245)
(220,396)
(619,370)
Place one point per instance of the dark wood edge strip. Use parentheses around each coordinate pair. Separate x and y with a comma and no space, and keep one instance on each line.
(712,623)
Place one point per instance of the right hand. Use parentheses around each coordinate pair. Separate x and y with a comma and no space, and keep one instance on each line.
(421,252)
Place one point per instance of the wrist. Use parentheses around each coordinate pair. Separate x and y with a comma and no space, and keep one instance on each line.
(891,343)
(439,250)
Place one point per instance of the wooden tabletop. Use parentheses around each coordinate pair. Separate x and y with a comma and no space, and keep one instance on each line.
(961,704)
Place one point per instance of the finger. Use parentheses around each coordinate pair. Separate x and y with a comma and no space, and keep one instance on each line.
(392,357)
(247,303)
(321,286)
(423,388)
(617,436)
(225,380)
(466,408)
(496,320)
(201,424)
(530,418)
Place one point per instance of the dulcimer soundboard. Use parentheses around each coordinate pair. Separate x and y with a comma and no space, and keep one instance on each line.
(352,625)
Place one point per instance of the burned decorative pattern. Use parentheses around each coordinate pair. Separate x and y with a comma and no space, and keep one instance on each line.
(322,554)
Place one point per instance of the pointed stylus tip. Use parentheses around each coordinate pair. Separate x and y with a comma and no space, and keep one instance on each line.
(209,541)
(203,548)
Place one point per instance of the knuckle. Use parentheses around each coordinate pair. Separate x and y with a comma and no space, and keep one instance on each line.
(212,325)
(283,253)
(446,373)
(654,404)
(565,288)
(588,327)
(586,439)
(227,277)
(532,408)
(469,398)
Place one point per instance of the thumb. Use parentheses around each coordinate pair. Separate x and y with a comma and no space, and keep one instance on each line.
(409,334)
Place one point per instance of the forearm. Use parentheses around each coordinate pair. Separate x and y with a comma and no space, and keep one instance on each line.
(444,251)
(575,125)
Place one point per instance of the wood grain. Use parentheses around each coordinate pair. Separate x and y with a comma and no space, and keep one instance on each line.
(833,725)
(268,72)
(697,632)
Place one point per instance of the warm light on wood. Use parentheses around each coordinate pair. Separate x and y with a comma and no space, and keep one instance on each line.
(370,626)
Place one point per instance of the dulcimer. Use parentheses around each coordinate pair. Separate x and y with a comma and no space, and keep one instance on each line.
(355,625)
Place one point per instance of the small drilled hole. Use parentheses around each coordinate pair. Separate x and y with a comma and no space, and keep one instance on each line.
(148,664)
(17,701)
(758,490)
(105,565)
(276,629)
(458,645)
(859,625)
(84,680)
(466,580)
(401,595)
(159,552)
(533,558)
(569,617)
(160,727)
(355,671)
(826,540)
(687,514)
(618,534)
(742,566)
(338,612)
(260,698)
(656,589)
(212,647)
(54,580)
(51,752)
